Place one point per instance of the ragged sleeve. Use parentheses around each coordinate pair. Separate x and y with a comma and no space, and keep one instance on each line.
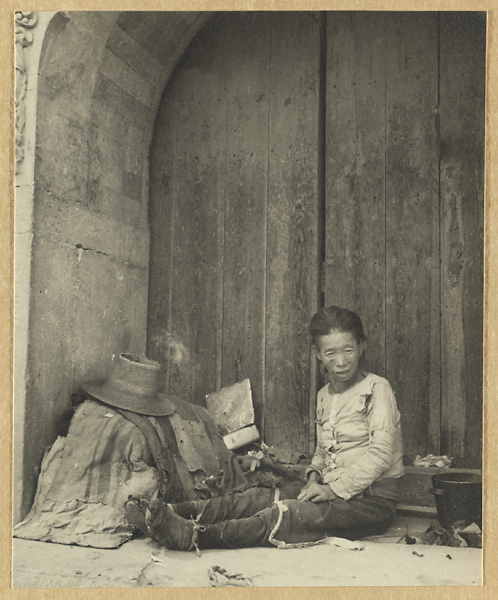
(382,422)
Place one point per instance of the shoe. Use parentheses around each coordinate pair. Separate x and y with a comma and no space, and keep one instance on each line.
(135,509)
(169,529)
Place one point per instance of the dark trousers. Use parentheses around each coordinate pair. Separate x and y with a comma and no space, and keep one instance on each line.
(248,518)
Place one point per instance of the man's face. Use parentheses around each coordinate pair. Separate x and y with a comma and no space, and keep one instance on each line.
(340,353)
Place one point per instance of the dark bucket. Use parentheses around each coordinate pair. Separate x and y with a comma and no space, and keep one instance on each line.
(458,498)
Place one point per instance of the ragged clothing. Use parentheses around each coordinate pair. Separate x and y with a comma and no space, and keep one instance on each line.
(264,517)
(110,454)
(359,443)
(359,454)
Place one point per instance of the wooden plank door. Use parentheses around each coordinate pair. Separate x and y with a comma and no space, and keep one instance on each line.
(404,211)
(336,158)
(245,74)
(187,187)
(354,266)
(463,60)
(382,200)
(292,267)
(234,171)
(412,226)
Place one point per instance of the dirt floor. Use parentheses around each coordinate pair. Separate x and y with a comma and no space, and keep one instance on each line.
(142,563)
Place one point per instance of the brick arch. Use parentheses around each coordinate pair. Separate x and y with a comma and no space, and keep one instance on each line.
(140,54)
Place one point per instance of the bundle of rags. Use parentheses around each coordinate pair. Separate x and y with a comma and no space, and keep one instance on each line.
(111,453)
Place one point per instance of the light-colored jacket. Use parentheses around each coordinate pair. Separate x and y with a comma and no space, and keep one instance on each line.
(359,439)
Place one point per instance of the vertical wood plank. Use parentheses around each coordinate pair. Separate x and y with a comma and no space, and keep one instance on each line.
(355,173)
(246,196)
(292,225)
(462,205)
(412,224)
(161,211)
(200,181)
(194,130)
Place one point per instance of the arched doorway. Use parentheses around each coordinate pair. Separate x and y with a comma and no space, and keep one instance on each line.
(350,171)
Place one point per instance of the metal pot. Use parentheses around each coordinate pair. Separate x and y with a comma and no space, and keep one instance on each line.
(458,497)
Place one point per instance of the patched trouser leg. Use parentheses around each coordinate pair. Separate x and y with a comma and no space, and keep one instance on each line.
(352,519)
(241,533)
(224,508)
(289,520)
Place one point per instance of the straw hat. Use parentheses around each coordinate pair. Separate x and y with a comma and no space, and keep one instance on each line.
(133,385)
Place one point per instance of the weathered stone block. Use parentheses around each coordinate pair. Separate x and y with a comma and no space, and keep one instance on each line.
(134,55)
(76,226)
(63,159)
(125,210)
(126,78)
(50,352)
(106,163)
(110,312)
(94,24)
(107,92)
(131,185)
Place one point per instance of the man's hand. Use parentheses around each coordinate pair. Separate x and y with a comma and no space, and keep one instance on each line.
(313,477)
(316,492)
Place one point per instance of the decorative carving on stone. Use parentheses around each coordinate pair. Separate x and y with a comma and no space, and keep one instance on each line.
(24,22)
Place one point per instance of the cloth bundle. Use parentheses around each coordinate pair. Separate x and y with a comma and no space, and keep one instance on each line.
(110,454)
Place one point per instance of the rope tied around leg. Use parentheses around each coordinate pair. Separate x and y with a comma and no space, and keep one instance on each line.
(281,545)
(196,529)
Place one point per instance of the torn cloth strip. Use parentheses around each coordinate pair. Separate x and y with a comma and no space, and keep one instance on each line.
(334,540)
(280,544)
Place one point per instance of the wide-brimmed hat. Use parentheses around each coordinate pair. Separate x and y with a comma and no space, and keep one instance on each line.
(133,385)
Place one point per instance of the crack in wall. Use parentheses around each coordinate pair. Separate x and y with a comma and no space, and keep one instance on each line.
(81,247)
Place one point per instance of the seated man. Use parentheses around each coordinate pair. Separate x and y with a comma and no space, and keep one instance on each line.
(353,480)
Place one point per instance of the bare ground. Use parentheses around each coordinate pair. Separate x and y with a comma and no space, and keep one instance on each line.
(142,563)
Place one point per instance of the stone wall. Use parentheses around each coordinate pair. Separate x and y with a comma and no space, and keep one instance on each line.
(100,78)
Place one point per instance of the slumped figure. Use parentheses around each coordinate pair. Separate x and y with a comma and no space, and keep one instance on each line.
(352,483)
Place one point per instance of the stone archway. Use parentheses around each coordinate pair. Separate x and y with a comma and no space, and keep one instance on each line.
(91,83)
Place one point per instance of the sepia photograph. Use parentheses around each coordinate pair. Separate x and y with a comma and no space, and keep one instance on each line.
(249,265)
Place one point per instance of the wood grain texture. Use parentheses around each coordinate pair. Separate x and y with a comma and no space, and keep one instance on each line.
(462,232)
(246,72)
(162,201)
(195,174)
(355,173)
(292,225)
(244,186)
(412,228)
